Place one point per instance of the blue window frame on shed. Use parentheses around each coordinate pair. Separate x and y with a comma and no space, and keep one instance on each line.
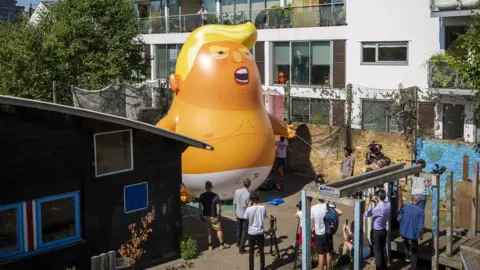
(11,230)
(135,197)
(58,220)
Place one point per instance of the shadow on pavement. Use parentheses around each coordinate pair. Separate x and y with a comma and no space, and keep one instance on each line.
(293,184)
(195,228)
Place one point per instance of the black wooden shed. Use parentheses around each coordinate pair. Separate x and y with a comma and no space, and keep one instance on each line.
(72,180)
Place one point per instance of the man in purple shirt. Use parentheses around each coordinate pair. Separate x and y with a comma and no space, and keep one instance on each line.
(380,215)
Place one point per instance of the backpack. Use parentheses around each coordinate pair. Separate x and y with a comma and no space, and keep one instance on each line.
(331,220)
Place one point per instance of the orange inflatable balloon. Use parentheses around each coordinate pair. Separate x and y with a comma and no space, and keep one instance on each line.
(218,100)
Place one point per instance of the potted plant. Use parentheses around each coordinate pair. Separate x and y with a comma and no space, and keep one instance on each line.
(130,251)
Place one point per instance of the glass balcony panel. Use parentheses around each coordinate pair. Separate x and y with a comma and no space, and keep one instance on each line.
(442,76)
(263,18)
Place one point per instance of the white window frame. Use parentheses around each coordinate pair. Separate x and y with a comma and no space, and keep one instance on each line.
(95,152)
(377,45)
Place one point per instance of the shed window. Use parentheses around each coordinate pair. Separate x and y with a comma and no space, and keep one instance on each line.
(113,152)
(58,219)
(11,230)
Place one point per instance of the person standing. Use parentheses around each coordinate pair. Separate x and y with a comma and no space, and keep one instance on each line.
(241,199)
(380,215)
(323,242)
(419,185)
(348,163)
(210,212)
(203,15)
(255,214)
(281,156)
(411,218)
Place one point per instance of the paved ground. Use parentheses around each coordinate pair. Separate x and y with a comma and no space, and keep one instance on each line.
(287,225)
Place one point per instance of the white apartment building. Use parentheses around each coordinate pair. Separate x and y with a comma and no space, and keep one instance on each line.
(320,46)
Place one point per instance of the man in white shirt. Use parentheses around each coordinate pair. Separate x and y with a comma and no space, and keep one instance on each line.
(323,242)
(241,199)
(202,12)
(256,214)
(281,154)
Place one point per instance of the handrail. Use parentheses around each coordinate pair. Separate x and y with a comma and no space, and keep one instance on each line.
(332,14)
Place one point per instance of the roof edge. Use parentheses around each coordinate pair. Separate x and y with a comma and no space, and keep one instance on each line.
(48,106)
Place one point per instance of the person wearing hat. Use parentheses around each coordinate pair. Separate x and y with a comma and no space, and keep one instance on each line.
(210,212)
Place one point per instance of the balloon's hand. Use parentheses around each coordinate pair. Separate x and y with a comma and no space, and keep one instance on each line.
(291,132)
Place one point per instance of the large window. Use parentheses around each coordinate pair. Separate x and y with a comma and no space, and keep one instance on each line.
(11,230)
(113,152)
(166,59)
(376,116)
(54,222)
(58,220)
(385,53)
(305,63)
(310,110)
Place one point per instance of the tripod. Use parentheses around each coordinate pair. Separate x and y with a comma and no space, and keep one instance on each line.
(273,236)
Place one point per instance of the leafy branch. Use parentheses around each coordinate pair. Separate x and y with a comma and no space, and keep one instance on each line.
(131,249)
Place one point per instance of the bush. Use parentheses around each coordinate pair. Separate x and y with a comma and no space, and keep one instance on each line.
(188,248)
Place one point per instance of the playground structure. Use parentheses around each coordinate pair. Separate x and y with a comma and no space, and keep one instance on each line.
(461,254)
(338,191)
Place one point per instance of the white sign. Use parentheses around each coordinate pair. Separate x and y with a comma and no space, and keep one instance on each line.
(329,191)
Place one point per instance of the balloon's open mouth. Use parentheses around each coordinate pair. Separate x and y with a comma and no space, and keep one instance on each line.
(241,75)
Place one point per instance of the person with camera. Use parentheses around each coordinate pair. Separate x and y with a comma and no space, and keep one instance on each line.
(323,238)
(347,251)
(256,214)
(380,215)
(241,199)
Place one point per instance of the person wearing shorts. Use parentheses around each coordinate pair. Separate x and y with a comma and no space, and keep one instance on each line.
(210,213)
(323,242)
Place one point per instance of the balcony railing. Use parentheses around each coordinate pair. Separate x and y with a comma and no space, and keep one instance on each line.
(294,17)
(442,76)
(449,5)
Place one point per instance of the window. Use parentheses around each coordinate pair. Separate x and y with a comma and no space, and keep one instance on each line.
(11,230)
(310,110)
(385,52)
(135,197)
(306,63)
(281,58)
(54,220)
(166,59)
(58,220)
(113,152)
(376,116)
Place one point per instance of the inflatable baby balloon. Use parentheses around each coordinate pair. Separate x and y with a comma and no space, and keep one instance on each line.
(218,100)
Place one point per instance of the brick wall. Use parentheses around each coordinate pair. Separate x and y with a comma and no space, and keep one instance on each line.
(448,154)
(326,152)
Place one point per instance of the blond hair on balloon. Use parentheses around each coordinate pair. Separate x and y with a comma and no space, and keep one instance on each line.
(245,34)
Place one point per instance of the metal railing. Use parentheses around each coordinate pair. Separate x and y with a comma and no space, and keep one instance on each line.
(449,5)
(333,14)
(442,76)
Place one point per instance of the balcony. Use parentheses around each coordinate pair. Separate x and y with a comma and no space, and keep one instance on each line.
(442,76)
(453,8)
(324,15)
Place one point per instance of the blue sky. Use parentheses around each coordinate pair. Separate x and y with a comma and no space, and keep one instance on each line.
(26,3)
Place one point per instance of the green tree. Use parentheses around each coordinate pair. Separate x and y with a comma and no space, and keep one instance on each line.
(463,58)
(86,43)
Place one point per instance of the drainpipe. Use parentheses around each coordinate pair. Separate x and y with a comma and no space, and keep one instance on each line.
(283,3)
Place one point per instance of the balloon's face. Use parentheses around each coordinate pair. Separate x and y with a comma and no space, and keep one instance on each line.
(223,76)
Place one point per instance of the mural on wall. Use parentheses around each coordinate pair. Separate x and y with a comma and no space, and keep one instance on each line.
(446,156)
